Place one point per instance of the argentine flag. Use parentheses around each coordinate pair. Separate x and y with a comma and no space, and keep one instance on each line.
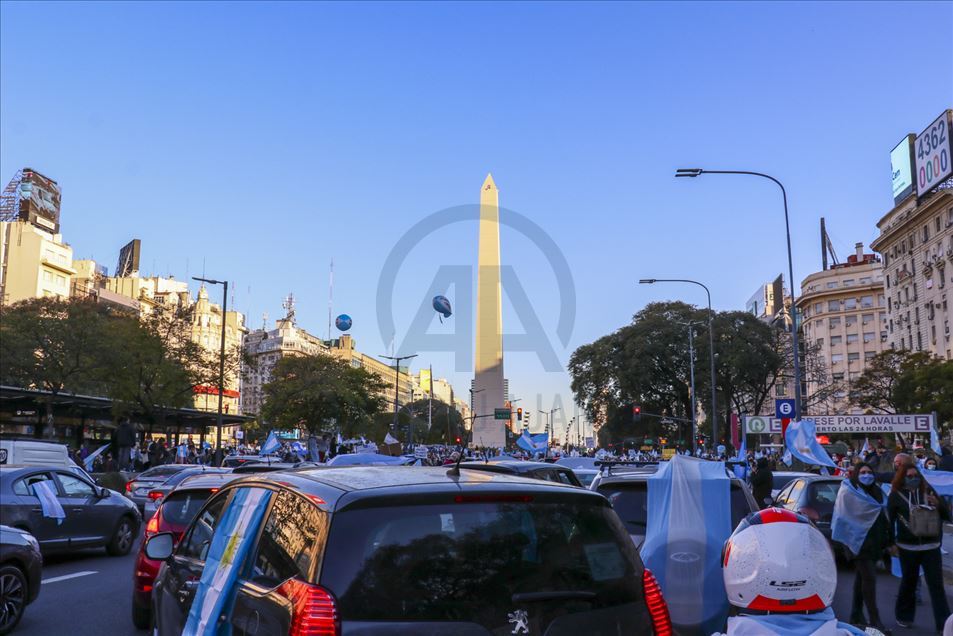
(800,441)
(533,443)
(271,444)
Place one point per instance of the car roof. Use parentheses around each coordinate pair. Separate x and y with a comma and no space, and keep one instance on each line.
(793,474)
(8,470)
(816,477)
(332,485)
(517,465)
(207,480)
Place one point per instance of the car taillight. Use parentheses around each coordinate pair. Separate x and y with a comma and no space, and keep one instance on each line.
(152,526)
(658,609)
(155,495)
(128,486)
(810,513)
(315,613)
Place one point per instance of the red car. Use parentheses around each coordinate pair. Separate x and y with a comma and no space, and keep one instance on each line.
(174,515)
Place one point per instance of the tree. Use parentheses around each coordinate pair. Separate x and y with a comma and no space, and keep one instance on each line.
(53,345)
(446,422)
(314,391)
(898,381)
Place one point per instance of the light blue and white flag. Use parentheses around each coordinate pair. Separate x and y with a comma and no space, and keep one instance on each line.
(822,622)
(935,442)
(271,444)
(49,504)
(88,462)
(865,449)
(689,520)
(855,511)
(800,441)
(182,451)
(298,449)
(743,446)
(533,443)
(231,543)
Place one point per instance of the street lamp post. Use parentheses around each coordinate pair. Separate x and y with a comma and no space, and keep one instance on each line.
(397,360)
(549,424)
(221,360)
(691,367)
(695,172)
(711,345)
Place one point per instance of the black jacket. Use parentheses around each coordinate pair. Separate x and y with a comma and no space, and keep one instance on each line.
(762,481)
(899,511)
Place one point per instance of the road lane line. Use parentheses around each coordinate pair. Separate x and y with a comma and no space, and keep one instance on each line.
(65,577)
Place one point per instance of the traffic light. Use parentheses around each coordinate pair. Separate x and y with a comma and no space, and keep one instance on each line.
(519,415)
(458,440)
(636,413)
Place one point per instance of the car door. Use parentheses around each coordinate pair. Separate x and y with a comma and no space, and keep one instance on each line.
(292,538)
(47,531)
(178,580)
(82,525)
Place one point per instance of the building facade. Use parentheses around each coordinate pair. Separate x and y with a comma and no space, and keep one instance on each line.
(844,318)
(344,348)
(34,263)
(916,243)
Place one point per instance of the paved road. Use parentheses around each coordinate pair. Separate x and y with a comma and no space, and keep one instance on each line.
(99,604)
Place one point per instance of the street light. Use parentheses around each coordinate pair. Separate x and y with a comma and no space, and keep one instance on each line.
(397,360)
(549,423)
(711,343)
(221,361)
(691,362)
(695,172)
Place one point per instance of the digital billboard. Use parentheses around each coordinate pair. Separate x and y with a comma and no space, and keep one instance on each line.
(128,259)
(901,168)
(932,152)
(39,201)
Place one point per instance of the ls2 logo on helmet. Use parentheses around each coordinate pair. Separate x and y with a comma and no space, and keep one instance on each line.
(788,585)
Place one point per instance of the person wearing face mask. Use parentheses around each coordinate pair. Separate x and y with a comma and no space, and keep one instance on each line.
(861,524)
(917,514)
(930,464)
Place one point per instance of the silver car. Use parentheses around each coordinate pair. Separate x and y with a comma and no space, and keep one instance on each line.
(137,490)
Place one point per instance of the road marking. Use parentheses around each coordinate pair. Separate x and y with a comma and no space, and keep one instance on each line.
(65,577)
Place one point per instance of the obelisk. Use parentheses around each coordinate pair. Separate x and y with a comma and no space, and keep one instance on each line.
(488,372)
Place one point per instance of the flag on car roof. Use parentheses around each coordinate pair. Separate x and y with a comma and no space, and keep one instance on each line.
(271,444)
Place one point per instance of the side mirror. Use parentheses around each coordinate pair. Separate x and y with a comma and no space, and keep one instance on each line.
(104,493)
(159,546)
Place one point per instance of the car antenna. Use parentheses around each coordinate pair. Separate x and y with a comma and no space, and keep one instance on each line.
(455,471)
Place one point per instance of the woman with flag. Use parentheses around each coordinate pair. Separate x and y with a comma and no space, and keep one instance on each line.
(861,524)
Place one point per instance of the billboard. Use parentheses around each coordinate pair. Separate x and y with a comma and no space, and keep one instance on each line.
(865,424)
(128,259)
(901,168)
(933,154)
(39,201)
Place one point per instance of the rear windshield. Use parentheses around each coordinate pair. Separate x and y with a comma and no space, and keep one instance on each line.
(161,471)
(182,475)
(179,508)
(823,494)
(478,562)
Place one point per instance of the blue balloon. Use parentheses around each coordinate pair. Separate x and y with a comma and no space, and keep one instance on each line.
(442,306)
(343,322)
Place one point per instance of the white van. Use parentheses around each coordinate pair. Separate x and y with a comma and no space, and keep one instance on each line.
(29,452)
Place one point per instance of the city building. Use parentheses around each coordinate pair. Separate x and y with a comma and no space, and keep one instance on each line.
(34,263)
(844,323)
(771,304)
(89,281)
(916,242)
(263,349)
(344,348)
(441,388)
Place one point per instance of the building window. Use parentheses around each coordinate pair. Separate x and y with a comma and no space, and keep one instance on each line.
(852,357)
(850,321)
(883,316)
(836,340)
(838,377)
(880,300)
(818,308)
(832,284)
(819,341)
(48,277)
(852,338)
(780,390)
(866,280)
(837,358)
(848,282)
(833,322)
(868,336)
(869,355)
(833,305)
(867,319)
(866,302)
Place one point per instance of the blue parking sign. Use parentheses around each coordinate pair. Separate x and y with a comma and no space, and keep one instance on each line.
(784,409)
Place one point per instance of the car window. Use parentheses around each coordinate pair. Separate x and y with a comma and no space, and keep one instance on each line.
(564,478)
(466,561)
(794,495)
(74,486)
(200,535)
(629,502)
(286,548)
(823,492)
(780,480)
(23,486)
(740,507)
(783,495)
(180,508)
(160,471)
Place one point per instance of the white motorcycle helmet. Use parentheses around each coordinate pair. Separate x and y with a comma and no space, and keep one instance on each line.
(776,561)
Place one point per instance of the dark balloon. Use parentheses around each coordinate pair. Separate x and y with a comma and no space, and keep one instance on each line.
(343,322)
(442,306)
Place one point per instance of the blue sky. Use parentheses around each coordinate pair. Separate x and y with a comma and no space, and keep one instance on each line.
(264,139)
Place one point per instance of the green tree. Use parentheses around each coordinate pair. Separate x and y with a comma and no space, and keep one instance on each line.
(898,381)
(314,391)
(53,345)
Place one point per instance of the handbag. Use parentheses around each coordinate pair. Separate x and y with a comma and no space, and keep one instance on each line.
(924,520)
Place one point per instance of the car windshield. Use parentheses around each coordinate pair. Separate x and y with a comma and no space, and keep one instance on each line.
(179,508)
(160,472)
(565,563)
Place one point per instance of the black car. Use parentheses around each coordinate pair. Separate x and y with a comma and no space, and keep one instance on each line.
(813,496)
(533,470)
(401,550)
(20,566)
(96,517)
